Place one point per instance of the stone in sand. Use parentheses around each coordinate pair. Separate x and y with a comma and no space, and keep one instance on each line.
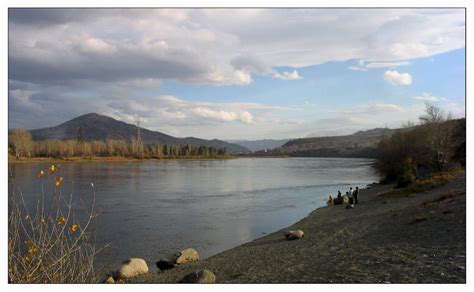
(294,234)
(200,277)
(131,268)
(166,264)
(186,256)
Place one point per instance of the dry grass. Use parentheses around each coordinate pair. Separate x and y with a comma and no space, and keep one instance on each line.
(418,218)
(444,198)
(420,186)
(48,243)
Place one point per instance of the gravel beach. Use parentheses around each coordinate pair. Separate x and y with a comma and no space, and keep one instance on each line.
(415,238)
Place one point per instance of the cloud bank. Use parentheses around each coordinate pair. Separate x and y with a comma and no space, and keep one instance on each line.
(66,62)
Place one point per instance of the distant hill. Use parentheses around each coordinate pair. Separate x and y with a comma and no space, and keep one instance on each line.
(359,144)
(99,127)
(257,145)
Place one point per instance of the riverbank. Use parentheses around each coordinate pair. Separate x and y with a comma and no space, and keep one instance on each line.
(387,238)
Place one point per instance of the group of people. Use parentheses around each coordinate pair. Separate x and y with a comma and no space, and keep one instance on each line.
(351,195)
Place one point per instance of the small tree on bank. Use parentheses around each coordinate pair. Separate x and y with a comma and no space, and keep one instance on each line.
(429,144)
(440,131)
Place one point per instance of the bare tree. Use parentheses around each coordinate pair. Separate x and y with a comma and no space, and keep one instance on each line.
(440,132)
(21,142)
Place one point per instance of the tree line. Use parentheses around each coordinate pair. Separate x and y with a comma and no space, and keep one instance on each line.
(21,144)
(434,144)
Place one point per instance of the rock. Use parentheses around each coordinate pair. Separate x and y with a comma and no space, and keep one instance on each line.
(351,206)
(166,264)
(131,268)
(294,234)
(200,277)
(186,256)
(109,280)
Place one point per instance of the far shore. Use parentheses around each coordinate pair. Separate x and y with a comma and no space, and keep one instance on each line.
(109,159)
(130,159)
(389,237)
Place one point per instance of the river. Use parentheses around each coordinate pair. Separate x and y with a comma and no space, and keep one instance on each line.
(149,209)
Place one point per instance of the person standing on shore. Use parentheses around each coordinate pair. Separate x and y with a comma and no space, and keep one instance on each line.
(356,194)
(351,196)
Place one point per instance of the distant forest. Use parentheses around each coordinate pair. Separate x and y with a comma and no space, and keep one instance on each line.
(22,145)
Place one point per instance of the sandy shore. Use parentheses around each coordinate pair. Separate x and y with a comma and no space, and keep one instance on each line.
(403,239)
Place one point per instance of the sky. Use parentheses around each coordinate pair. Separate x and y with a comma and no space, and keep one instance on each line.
(236,73)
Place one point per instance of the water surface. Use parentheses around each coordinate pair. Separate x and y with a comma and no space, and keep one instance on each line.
(152,208)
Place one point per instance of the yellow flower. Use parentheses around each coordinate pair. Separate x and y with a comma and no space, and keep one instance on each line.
(61,220)
(73,227)
(41,173)
(27,258)
(32,250)
(52,169)
(58,181)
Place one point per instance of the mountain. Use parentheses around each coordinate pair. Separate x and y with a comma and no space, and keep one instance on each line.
(98,127)
(359,144)
(256,145)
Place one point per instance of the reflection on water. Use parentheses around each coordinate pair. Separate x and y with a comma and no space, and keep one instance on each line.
(152,208)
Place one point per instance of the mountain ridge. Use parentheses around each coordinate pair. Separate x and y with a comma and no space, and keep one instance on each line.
(94,126)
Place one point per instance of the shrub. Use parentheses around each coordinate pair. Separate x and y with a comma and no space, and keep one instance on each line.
(407,173)
(49,244)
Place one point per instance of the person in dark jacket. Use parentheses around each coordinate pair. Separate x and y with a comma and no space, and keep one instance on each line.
(356,194)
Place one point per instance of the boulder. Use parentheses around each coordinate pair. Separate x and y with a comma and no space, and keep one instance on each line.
(165,264)
(294,234)
(182,257)
(200,277)
(131,268)
(186,256)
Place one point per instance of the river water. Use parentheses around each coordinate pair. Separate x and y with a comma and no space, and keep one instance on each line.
(150,209)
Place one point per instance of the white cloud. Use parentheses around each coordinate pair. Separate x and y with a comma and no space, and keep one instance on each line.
(370,109)
(90,44)
(387,64)
(204,46)
(428,97)
(238,77)
(354,68)
(362,66)
(288,75)
(381,108)
(261,107)
(290,122)
(227,116)
(168,111)
(457,110)
(396,78)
